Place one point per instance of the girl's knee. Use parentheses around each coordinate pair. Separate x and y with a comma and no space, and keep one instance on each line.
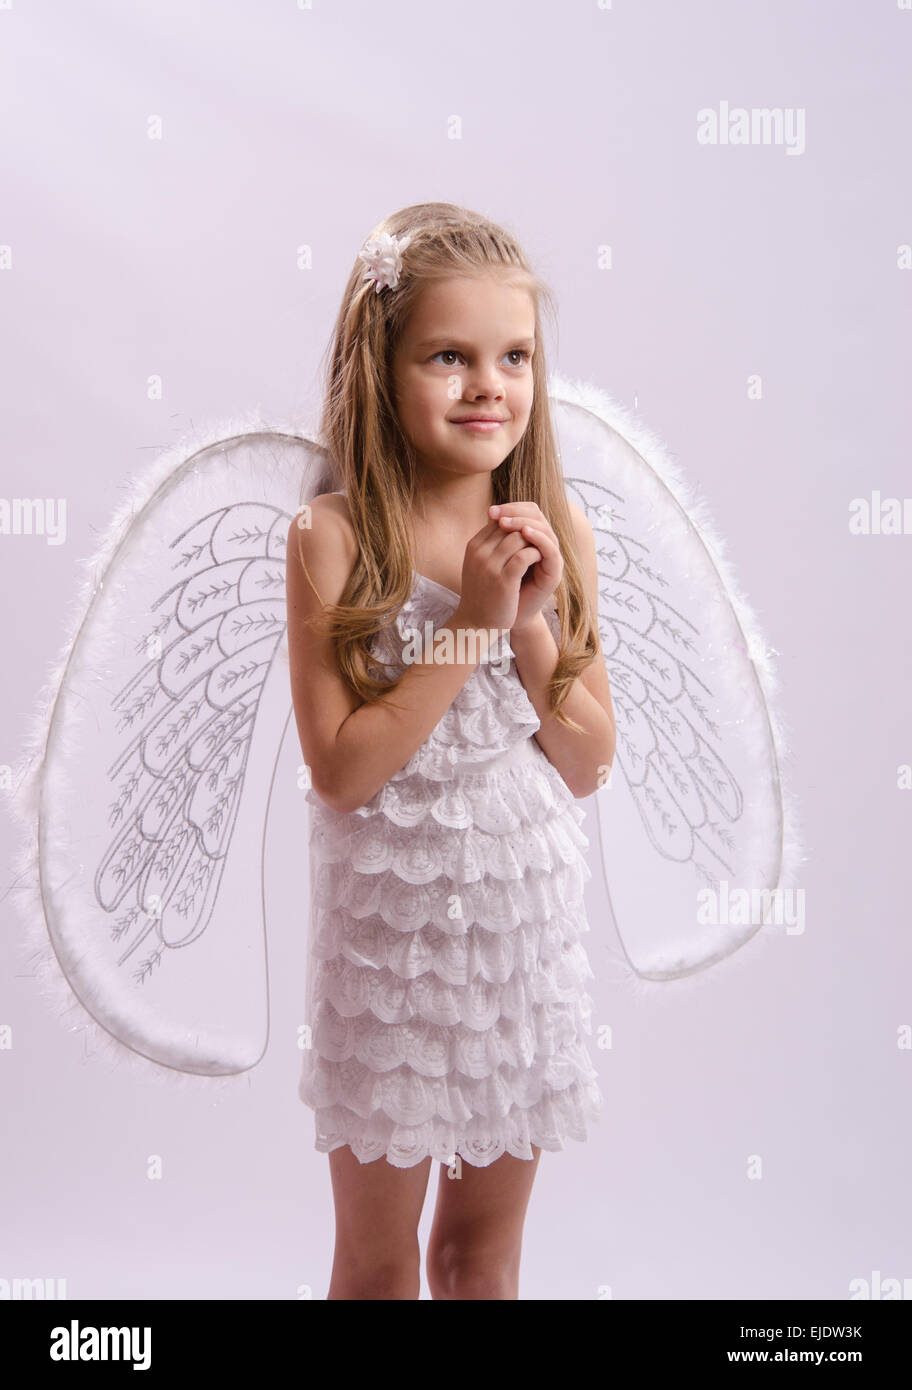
(473,1274)
(382,1274)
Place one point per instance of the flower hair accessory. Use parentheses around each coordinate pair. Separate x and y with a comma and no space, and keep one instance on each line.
(382,255)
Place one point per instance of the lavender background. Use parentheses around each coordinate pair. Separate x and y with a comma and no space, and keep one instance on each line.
(283,126)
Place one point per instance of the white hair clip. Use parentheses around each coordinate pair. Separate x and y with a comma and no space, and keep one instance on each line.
(382,255)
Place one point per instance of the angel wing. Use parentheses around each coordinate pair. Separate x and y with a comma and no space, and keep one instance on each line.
(152,762)
(700,745)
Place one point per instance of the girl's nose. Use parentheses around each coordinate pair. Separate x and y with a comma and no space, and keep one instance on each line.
(482,381)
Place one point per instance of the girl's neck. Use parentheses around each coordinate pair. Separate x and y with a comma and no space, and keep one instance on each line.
(453,503)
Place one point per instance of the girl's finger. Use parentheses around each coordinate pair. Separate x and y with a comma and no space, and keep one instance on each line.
(530,528)
(519,519)
(550,549)
(541,536)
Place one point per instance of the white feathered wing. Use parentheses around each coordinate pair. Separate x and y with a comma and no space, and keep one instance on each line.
(145,791)
(698,835)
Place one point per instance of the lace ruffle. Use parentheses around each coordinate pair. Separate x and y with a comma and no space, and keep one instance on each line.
(488,1121)
(476,799)
(477,1003)
(450,1073)
(472,1031)
(476,950)
(498,905)
(422,853)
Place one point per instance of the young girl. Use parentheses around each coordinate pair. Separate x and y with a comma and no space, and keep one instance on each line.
(449,714)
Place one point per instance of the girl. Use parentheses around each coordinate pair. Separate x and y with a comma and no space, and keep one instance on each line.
(446,980)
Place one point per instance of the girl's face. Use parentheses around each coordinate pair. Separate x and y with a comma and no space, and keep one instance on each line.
(466,351)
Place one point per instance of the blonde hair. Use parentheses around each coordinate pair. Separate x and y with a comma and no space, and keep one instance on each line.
(377,467)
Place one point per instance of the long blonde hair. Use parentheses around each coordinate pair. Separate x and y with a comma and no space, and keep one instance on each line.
(376,465)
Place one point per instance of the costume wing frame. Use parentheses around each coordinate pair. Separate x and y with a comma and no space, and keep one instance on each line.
(141,887)
(702,743)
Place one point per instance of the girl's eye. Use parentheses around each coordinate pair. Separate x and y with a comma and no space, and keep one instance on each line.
(522,353)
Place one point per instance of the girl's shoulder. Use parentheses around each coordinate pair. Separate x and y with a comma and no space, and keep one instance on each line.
(331,504)
(324,535)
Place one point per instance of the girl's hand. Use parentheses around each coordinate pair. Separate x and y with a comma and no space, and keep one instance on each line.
(496,560)
(543,577)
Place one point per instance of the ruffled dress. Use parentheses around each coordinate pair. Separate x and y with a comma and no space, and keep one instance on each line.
(446,975)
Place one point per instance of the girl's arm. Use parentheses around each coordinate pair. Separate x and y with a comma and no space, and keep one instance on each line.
(581,759)
(351,747)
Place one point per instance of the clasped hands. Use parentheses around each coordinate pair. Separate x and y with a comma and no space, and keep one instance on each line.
(483,590)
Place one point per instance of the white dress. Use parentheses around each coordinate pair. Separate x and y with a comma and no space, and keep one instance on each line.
(446,981)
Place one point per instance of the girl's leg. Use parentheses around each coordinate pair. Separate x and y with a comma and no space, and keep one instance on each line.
(476,1239)
(378,1208)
